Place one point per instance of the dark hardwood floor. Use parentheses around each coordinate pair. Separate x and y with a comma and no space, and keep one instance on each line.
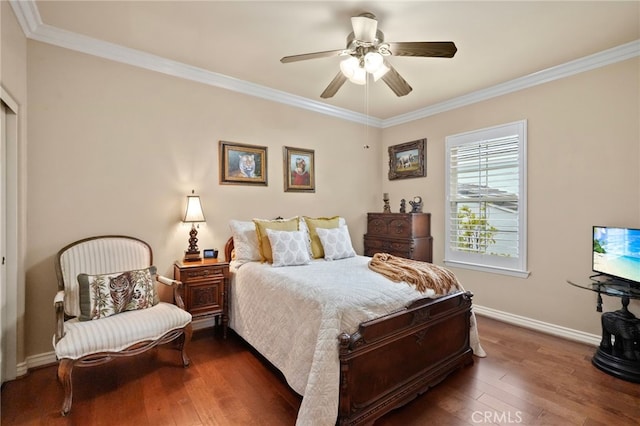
(528,378)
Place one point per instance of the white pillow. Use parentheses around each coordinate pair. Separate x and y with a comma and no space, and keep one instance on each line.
(288,248)
(336,242)
(304,227)
(245,241)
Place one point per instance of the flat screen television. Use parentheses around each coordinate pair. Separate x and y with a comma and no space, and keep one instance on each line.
(616,252)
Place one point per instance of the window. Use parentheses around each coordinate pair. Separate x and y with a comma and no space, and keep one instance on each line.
(486,199)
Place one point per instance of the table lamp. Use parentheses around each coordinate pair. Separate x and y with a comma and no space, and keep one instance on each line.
(193,215)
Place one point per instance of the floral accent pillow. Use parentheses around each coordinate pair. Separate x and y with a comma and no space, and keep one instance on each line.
(289,248)
(336,242)
(109,294)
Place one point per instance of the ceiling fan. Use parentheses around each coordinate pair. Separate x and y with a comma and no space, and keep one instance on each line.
(365,54)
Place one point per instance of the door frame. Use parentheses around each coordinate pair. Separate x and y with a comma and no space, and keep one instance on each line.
(12,303)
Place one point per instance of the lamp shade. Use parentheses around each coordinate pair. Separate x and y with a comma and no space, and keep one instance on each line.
(194,211)
(359,76)
(373,61)
(348,66)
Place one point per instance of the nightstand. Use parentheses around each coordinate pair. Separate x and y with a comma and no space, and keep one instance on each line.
(205,289)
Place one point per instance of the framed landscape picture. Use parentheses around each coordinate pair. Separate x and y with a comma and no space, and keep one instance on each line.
(242,164)
(299,170)
(407,160)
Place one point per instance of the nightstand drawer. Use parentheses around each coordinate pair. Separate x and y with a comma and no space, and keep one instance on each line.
(203,273)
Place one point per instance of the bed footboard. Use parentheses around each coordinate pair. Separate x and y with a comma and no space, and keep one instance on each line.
(391,360)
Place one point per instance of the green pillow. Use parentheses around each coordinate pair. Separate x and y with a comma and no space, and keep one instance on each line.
(263,239)
(319,222)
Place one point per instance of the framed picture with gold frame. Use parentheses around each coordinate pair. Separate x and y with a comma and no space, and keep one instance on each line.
(407,160)
(299,170)
(242,164)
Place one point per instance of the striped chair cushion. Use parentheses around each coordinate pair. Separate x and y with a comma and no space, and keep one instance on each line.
(117,332)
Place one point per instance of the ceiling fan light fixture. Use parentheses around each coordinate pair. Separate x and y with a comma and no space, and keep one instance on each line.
(366,52)
(349,66)
(373,61)
(381,71)
(359,76)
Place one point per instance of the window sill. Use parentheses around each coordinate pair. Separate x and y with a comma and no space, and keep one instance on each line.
(491,269)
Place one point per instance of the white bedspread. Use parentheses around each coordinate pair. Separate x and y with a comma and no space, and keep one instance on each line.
(307,316)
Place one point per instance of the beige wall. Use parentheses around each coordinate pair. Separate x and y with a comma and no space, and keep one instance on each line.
(116,149)
(13,78)
(583,170)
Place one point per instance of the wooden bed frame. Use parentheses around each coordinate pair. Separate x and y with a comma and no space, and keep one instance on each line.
(391,360)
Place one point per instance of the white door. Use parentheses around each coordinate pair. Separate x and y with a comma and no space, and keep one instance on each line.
(11,298)
(3,244)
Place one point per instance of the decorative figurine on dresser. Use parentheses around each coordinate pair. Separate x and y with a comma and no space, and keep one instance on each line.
(405,235)
(416,204)
(387,207)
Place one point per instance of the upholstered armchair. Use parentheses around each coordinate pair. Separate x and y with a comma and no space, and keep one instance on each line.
(107,306)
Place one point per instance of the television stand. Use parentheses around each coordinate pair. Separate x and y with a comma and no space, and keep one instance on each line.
(620,358)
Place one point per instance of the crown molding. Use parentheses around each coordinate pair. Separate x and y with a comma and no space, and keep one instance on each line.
(27,14)
(29,18)
(597,60)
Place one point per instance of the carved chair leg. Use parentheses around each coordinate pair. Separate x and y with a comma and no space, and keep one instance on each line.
(64,377)
(186,339)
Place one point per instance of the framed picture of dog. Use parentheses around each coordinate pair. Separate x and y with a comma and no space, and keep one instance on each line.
(242,164)
(299,170)
(408,160)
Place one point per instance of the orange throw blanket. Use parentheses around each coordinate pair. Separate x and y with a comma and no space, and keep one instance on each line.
(421,275)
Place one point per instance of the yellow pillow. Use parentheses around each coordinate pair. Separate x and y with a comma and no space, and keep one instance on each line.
(263,239)
(319,222)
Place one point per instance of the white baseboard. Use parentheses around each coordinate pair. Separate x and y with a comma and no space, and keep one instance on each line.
(544,327)
(203,323)
(35,361)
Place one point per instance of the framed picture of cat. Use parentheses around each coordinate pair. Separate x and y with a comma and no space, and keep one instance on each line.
(299,170)
(242,164)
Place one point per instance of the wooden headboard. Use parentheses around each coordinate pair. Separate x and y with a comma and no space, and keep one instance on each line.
(228,249)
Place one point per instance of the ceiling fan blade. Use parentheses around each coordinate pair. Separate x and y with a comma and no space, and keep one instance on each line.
(395,81)
(305,56)
(365,26)
(333,87)
(436,49)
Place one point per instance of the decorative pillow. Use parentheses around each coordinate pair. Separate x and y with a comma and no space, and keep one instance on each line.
(263,240)
(307,238)
(245,241)
(109,294)
(336,243)
(288,248)
(319,222)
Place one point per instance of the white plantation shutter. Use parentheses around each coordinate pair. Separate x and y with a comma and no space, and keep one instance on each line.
(485,223)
